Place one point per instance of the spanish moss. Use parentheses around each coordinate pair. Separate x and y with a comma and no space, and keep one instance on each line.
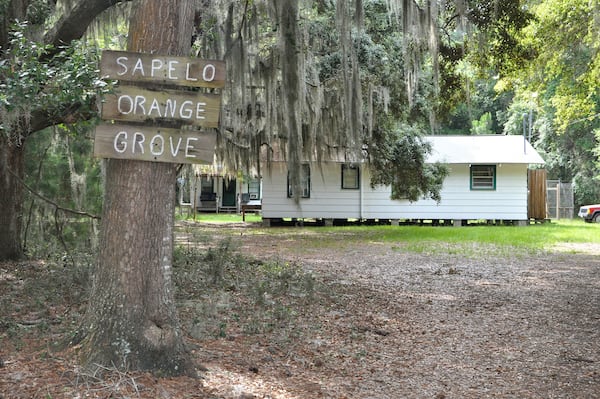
(276,103)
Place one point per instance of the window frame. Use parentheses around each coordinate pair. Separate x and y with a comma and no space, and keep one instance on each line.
(491,176)
(304,182)
(207,183)
(346,168)
(253,188)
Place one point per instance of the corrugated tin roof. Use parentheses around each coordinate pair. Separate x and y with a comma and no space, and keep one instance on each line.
(492,149)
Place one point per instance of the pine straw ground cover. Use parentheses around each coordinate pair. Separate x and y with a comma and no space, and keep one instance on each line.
(299,313)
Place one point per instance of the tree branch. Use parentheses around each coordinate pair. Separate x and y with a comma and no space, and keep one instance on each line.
(40,119)
(48,200)
(73,24)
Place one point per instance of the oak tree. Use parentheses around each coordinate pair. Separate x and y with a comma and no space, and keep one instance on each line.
(131,321)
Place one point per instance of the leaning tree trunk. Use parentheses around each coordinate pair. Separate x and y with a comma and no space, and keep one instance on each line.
(132,320)
(11,198)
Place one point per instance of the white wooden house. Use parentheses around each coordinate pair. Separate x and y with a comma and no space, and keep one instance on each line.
(488,180)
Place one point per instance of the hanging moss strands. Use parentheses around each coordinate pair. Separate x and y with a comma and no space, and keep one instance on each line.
(295,85)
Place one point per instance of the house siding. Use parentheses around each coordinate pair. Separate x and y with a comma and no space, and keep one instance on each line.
(329,201)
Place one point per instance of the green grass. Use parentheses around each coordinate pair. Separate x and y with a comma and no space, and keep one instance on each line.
(534,237)
(219,217)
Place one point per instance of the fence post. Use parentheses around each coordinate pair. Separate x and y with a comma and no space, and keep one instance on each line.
(558,200)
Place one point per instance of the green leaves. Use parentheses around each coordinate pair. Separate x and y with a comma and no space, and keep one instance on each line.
(398,159)
(32,81)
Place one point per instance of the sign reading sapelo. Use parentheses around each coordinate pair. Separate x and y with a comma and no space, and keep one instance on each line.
(178,71)
(153,106)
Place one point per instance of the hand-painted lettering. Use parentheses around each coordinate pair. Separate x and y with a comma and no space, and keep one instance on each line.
(139,139)
(157,65)
(154,108)
(139,68)
(172,68)
(120,143)
(164,68)
(137,143)
(189,147)
(209,72)
(157,145)
(175,148)
(121,61)
(188,75)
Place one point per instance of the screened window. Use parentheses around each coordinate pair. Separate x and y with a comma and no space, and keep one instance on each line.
(304,182)
(483,177)
(350,177)
(206,184)
(254,189)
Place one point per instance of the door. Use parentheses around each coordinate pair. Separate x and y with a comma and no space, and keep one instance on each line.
(229,193)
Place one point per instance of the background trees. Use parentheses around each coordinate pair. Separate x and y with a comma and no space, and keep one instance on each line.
(358,66)
(532,64)
(560,86)
(46,80)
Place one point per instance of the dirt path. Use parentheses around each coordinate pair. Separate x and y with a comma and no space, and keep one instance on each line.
(445,326)
(387,323)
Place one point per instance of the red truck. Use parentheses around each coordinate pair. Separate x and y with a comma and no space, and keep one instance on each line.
(590,213)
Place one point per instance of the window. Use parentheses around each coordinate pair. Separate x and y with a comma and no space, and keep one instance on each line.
(304,182)
(254,189)
(350,177)
(206,184)
(483,177)
(207,190)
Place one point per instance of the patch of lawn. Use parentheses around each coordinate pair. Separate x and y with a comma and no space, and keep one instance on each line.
(532,237)
(220,217)
(476,240)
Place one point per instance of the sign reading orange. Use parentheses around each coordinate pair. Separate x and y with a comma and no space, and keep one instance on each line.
(133,104)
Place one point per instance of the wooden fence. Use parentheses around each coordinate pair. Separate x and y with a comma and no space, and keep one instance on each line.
(536,204)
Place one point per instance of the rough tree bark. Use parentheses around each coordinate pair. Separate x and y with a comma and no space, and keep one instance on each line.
(131,320)
(11,199)
(12,162)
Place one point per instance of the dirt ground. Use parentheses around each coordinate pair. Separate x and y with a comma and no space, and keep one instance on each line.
(391,324)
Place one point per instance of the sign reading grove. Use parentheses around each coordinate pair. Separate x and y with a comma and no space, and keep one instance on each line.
(147,143)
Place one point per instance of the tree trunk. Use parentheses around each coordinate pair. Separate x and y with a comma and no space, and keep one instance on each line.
(12,161)
(132,319)
(11,198)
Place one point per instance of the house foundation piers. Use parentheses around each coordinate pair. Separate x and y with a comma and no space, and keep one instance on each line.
(330,222)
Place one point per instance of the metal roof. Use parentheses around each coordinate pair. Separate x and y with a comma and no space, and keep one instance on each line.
(485,149)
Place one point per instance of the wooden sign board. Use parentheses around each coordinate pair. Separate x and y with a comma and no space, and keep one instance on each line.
(169,70)
(146,143)
(134,104)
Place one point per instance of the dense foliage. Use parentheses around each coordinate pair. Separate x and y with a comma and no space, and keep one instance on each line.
(529,67)
(59,167)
